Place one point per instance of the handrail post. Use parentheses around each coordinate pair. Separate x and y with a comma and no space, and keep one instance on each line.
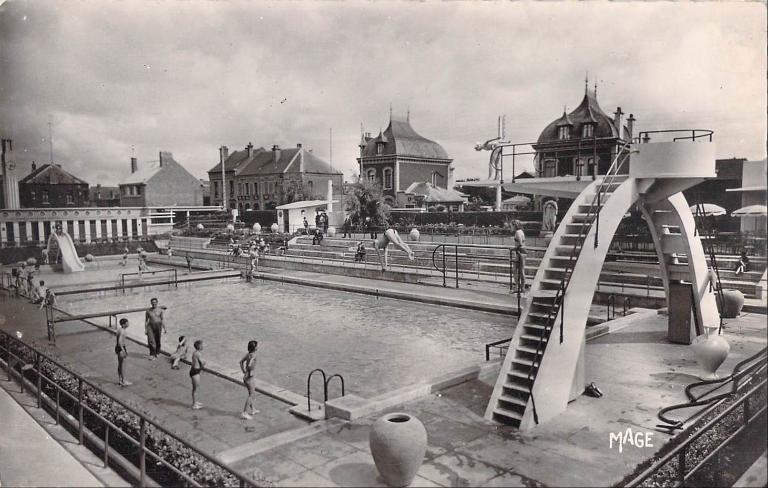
(142,452)
(681,466)
(443,246)
(520,286)
(39,378)
(457,265)
(562,309)
(511,276)
(8,355)
(80,409)
(597,217)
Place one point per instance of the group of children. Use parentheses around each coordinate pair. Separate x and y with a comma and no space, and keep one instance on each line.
(197,365)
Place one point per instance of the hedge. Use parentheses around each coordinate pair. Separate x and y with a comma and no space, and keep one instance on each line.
(10,255)
(167,447)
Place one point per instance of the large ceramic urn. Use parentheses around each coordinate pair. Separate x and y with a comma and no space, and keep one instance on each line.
(733,301)
(398,443)
(331,231)
(414,235)
(710,350)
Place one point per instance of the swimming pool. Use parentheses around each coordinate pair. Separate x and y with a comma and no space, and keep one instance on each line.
(378,345)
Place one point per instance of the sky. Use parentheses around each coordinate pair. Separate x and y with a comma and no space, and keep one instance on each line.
(139,77)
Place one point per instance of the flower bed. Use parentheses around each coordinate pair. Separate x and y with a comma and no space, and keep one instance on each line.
(164,445)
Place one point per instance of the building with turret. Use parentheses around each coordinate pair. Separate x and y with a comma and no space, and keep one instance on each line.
(583,142)
(399,157)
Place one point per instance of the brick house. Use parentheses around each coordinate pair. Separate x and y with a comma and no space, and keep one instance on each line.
(582,142)
(161,183)
(259,179)
(399,157)
(50,186)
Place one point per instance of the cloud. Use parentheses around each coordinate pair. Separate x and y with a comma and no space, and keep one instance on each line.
(187,77)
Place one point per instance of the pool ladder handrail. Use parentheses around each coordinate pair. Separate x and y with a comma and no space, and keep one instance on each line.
(326,382)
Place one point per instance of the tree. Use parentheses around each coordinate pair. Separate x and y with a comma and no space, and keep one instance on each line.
(364,199)
(297,191)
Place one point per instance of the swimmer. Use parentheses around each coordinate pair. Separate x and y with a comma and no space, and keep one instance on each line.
(248,366)
(382,243)
(194,373)
(121,352)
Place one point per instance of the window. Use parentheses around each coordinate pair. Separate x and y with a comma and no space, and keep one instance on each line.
(550,168)
(587,130)
(434,178)
(310,186)
(248,189)
(216,189)
(138,189)
(70,198)
(387,178)
(379,148)
(231,188)
(32,195)
(371,175)
(563,132)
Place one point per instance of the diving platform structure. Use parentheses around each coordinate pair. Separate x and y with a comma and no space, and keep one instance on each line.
(544,366)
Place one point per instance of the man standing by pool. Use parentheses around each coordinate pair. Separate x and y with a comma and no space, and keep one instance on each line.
(521,252)
(154,325)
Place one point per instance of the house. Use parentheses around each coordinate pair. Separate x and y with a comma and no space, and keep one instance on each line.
(50,186)
(104,196)
(161,183)
(434,198)
(259,179)
(399,157)
(583,142)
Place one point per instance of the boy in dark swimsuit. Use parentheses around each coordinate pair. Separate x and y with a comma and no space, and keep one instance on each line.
(121,352)
(194,373)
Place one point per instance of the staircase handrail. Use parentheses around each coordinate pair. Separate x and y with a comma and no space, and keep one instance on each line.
(559,299)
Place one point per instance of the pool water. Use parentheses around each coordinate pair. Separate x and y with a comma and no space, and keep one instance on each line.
(378,345)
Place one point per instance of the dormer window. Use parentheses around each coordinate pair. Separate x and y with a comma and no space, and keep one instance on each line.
(563,132)
(587,130)
(379,148)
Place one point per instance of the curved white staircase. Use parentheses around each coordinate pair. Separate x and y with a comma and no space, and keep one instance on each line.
(544,365)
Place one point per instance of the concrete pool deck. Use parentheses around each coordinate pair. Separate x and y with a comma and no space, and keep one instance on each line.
(636,368)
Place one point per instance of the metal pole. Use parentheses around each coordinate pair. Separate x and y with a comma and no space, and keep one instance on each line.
(39,378)
(142,452)
(511,276)
(597,218)
(520,287)
(457,265)
(80,409)
(444,266)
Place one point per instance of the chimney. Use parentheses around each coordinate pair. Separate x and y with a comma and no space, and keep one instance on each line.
(249,148)
(134,165)
(275,153)
(298,146)
(224,152)
(631,125)
(617,119)
(34,166)
(160,158)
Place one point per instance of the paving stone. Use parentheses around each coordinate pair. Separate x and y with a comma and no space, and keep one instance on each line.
(454,469)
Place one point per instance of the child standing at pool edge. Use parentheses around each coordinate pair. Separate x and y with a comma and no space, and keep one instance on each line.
(194,373)
(248,366)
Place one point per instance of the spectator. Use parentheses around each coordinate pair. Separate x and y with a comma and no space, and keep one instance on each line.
(360,252)
(306,226)
(521,253)
(39,293)
(743,265)
(181,352)
(347,227)
(324,217)
(262,247)
(318,238)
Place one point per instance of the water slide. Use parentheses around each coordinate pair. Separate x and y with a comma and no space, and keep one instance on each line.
(70,263)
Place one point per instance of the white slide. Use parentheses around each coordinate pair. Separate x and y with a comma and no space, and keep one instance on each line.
(70,263)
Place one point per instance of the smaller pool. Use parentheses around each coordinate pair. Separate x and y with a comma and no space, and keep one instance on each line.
(378,345)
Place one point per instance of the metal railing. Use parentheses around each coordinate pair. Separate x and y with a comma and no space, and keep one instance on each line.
(326,381)
(173,271)
(702,221)
(31,362)
(691,456)
(645,136)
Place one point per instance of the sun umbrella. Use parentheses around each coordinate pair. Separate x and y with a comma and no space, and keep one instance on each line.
(751,211)
(708,209)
